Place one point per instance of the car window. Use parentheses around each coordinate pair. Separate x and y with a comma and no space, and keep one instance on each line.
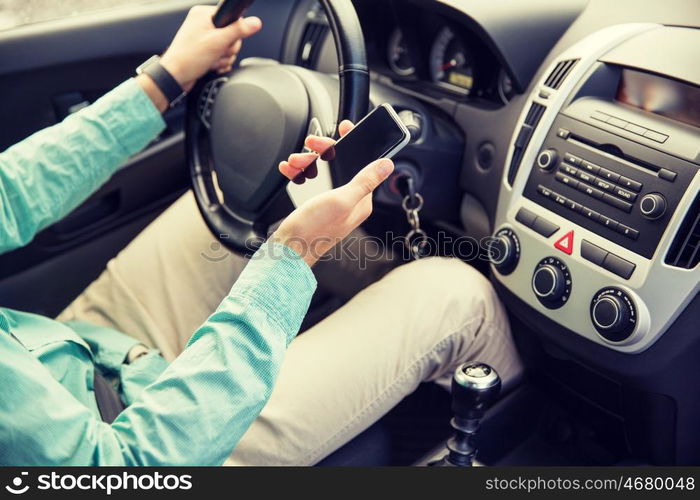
(15,13)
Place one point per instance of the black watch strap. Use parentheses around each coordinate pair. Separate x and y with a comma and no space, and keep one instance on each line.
(163,79)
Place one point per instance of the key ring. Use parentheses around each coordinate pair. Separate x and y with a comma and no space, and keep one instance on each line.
(413,233)
(413,218)
(404,203)
(417,247)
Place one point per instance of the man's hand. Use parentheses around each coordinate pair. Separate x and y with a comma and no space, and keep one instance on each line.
(317,225)
(198,47)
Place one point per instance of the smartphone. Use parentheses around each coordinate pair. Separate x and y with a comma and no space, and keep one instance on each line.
(380,134)
(228,11)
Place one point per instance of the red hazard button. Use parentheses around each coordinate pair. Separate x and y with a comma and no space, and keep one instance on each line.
(565,243)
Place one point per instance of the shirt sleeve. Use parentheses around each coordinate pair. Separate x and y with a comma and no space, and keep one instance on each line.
(109,347)
(51,172)
(196,411)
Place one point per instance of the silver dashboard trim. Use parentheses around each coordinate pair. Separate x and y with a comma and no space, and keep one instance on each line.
(654,284)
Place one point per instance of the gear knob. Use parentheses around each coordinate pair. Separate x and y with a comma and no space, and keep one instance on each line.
(475,386)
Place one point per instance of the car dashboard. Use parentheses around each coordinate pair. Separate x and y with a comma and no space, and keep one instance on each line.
(597,175)
(579,158)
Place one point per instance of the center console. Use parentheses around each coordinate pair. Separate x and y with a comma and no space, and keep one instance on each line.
(598,221)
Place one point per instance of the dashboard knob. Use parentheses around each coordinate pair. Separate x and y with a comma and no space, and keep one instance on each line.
(653,205)
(548,283)
(504,251)
(614,314)
(547,159)
(610,314)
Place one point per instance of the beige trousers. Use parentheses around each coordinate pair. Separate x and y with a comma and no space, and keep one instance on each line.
(415,324)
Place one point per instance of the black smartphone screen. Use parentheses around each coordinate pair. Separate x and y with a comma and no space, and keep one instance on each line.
(375,136)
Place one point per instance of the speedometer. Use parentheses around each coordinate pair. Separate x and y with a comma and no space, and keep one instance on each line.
(398,55)
(451,62)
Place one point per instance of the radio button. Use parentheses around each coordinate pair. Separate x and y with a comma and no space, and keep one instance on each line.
(608,175)
(627,195)
(608,222)
(593,253)
(565,179)
(603,184)
(627,231)
(617,265)
(617,202)
(628,183)
(572,205)
(525,217)
(544,227)
(563,133)
(546,192)
(574,160)
(667,175)
(590,190)
(560,199)
(567,169)
(585,176)
(589,167)
(591,214)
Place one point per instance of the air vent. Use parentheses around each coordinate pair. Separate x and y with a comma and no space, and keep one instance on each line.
(531,120)
(685,250)
(558,74)
(534,114)
(310,45)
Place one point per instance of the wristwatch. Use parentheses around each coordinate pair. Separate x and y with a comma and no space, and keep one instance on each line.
(167,84)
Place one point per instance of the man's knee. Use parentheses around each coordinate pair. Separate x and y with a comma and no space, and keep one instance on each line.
(466,310)
(454,282)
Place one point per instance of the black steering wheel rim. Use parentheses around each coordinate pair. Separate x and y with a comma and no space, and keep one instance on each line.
(243,231)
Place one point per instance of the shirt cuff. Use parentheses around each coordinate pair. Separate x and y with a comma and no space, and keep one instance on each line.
(281,283)
(109,347)
(130,115)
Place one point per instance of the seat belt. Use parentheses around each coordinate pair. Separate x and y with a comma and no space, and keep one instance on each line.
(109,403)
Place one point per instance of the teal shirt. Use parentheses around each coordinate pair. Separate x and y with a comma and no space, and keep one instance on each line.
(192,411)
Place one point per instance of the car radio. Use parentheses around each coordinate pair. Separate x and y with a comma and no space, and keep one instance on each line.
(618,187)
(598,218)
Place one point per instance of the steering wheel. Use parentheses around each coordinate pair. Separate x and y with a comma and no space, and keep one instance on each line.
(241,125)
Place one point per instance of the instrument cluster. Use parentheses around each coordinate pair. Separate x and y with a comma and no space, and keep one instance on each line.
(423,47)
(453,62)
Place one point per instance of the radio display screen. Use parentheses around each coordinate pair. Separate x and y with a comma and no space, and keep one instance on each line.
(662,96)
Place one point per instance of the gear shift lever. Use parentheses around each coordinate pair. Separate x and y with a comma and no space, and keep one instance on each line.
(475,387)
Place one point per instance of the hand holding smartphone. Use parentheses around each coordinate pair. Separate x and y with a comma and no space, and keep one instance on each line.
(380,134)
